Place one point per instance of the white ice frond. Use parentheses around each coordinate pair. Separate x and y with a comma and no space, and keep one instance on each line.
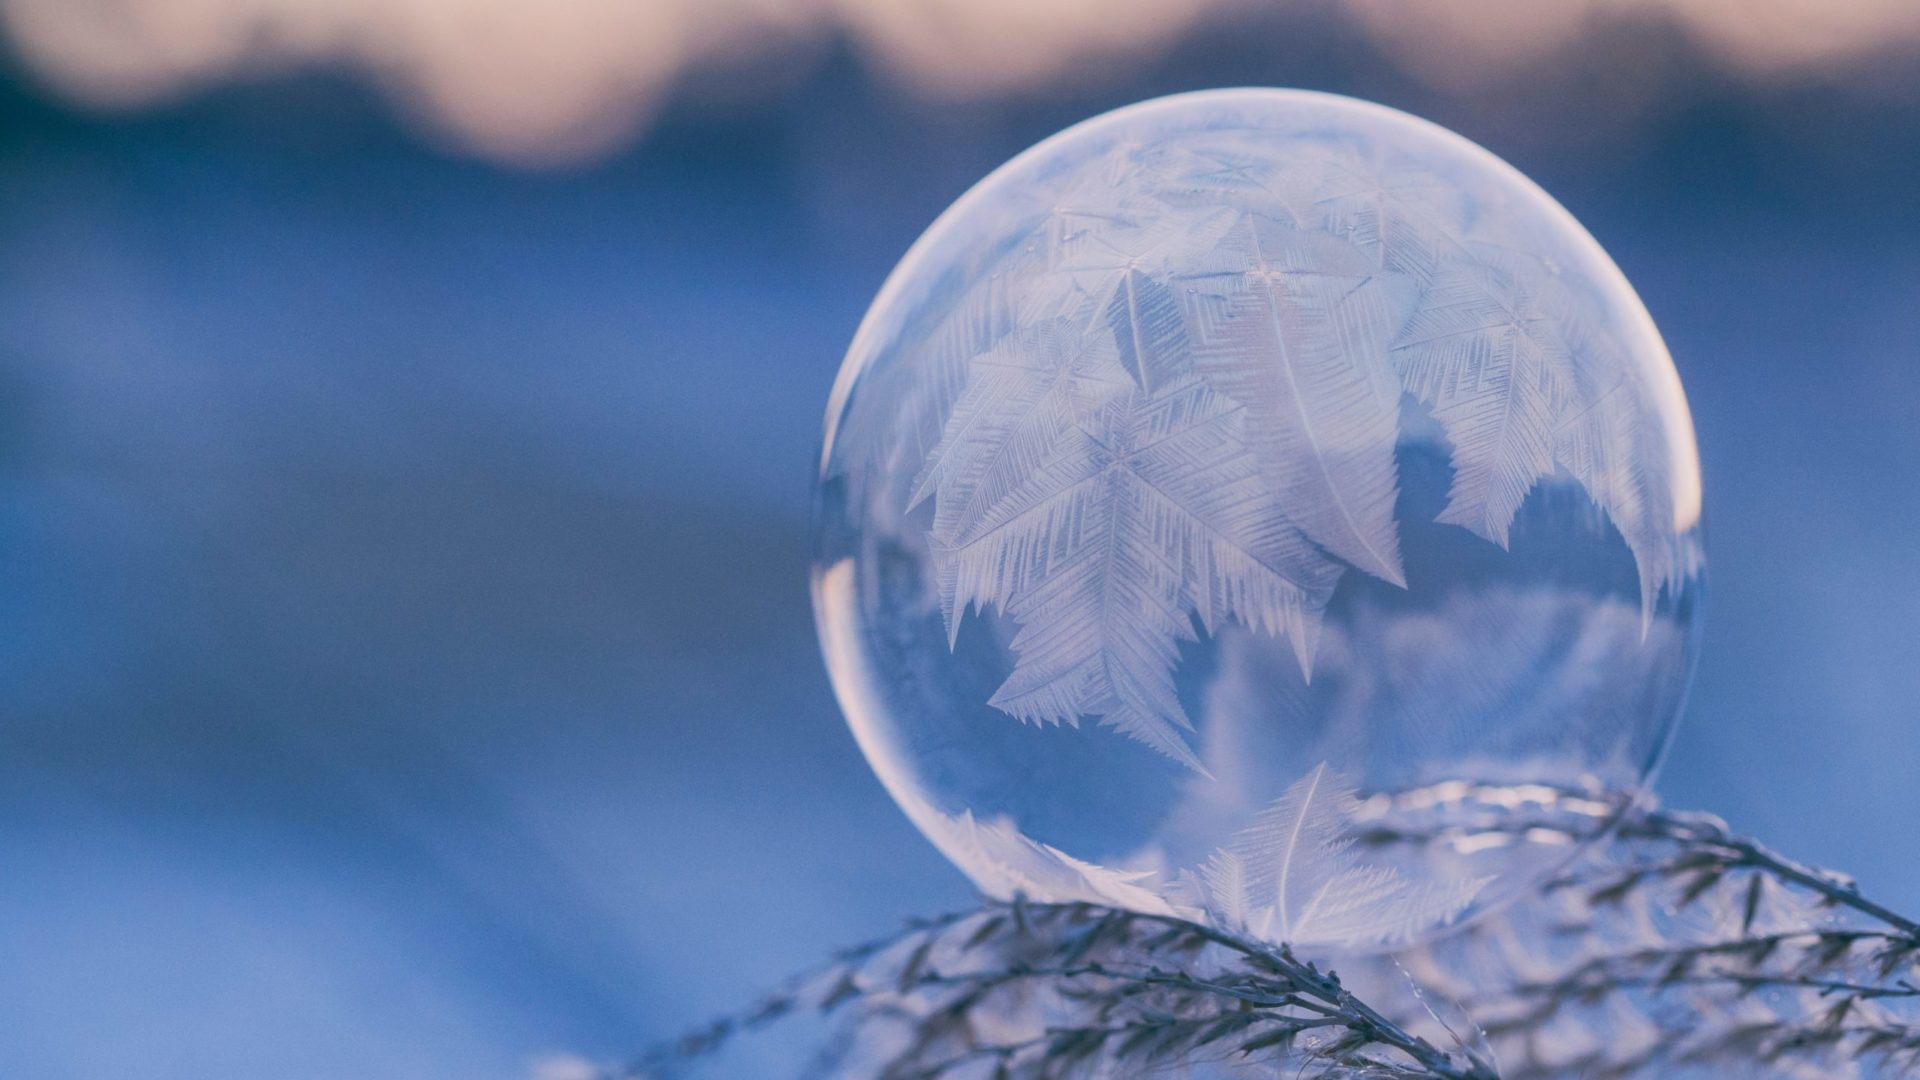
(1608,444)
(1242,177)
(1515,370)
(1301,339)
(1222,887)
(1493,368)
(1004,861)
(1404,217)
(1173,399)
(1021,397)
(1146,515)
(1150,330)
(926,379)
(1291,876)
(1095,269)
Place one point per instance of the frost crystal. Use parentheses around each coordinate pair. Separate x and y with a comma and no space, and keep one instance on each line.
(1291,876)
(1177,402)
(1292,444)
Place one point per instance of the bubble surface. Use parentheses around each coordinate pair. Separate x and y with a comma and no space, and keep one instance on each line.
(1262,507)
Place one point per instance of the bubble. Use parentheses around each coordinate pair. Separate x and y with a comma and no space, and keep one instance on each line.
(1265,508)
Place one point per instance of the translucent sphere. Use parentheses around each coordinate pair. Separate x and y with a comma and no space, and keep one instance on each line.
(1261,507)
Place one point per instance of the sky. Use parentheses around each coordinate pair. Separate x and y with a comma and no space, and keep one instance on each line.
(405,661)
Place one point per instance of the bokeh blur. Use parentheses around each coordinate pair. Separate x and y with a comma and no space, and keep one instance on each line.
(407,412)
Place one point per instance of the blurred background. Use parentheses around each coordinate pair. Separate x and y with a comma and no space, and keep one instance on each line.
(407,411)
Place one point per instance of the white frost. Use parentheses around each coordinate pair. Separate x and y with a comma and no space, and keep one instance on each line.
(1176,401)
(1291,876)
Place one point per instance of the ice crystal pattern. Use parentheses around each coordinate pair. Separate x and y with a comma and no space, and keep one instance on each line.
(1175,403)
(1291,875)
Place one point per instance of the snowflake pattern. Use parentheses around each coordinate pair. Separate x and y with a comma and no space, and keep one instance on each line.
(1174,403)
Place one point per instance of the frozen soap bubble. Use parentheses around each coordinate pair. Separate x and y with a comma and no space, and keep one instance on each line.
(1262,507)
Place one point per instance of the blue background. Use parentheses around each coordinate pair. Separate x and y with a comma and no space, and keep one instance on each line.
(405,659)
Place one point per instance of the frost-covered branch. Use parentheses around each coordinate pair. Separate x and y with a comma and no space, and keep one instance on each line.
(1679,949)
(1046,990)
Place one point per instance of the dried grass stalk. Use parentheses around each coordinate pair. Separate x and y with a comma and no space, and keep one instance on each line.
(1679,949)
